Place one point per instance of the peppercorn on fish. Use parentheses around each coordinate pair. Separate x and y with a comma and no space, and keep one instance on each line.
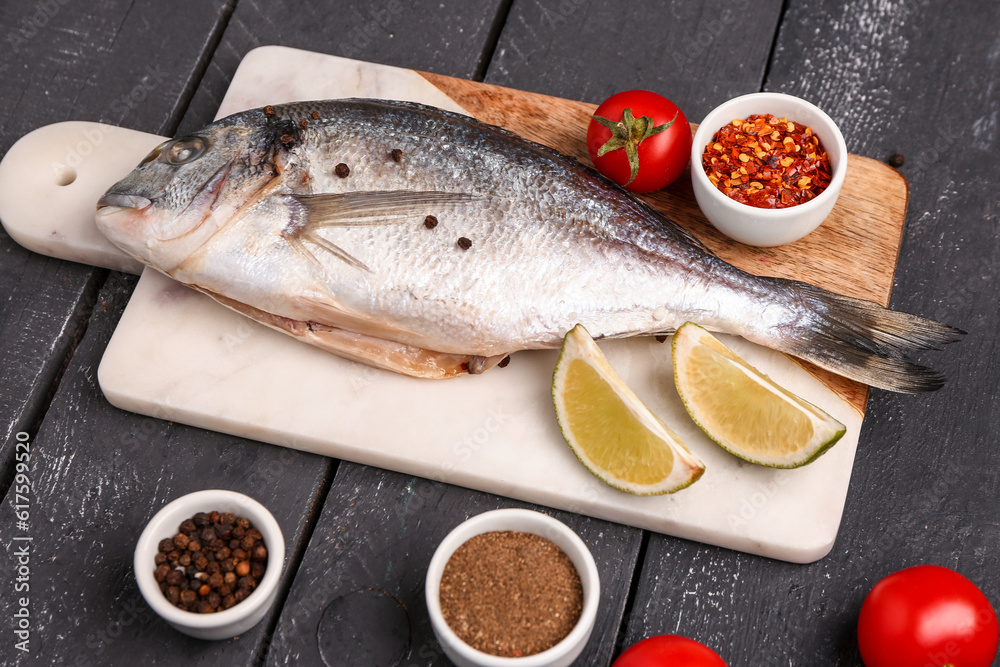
(433,245)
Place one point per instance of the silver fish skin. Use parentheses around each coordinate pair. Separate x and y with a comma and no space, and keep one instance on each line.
(434,245)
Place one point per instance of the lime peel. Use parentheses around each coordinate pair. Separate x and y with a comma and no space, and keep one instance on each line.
(743,410)
(610,430)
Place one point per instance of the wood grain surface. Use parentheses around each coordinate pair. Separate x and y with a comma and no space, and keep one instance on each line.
(52,57)
(98,474)
(912,79)
(915,78)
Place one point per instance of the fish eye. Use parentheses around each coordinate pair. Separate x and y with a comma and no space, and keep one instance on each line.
(185,150)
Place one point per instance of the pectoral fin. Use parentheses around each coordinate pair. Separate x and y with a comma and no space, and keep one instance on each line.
(377,207)
(311,213)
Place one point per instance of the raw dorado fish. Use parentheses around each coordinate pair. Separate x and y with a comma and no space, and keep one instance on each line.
(434,245)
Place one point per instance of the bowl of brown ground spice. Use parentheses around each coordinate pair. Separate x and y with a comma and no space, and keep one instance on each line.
(510,588)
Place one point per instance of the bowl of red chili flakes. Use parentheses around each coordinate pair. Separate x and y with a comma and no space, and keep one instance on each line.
(767,168)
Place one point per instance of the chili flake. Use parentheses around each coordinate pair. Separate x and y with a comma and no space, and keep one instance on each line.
(767,162)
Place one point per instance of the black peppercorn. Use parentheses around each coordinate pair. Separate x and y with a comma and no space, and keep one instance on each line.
(206,566)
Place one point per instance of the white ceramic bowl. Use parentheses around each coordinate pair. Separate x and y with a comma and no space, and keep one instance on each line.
(238,618)
(525,521)
(759,226)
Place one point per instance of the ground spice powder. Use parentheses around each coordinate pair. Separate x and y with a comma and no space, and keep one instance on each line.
(511,594)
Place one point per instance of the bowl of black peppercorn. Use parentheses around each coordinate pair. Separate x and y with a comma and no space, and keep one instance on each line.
(208,563)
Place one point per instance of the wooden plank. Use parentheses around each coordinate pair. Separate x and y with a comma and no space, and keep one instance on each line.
(94,62)
(898,78)
(45,308)
(698,54)
(379,530)
(97,476)
(450,37)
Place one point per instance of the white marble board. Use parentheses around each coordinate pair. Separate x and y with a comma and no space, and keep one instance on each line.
(178,355)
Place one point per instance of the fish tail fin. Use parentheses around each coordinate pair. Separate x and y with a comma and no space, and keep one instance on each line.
(863,341)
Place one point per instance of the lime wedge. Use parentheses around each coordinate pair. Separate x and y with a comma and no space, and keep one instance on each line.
(610,430)
(742,409)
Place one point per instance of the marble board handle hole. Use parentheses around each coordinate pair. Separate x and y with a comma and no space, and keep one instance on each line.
(65,176)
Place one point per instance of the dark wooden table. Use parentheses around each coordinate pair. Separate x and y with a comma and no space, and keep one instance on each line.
(917,79)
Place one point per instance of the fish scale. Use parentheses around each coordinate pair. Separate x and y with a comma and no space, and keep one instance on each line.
(255,211)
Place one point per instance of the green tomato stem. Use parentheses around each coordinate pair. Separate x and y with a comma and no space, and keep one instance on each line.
(628,133)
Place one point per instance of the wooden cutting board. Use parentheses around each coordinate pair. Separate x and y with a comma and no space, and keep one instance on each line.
(178,355)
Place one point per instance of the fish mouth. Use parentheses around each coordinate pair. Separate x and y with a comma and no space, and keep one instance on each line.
(119,200)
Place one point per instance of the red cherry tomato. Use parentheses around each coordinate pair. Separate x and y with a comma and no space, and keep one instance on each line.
(660,155)
(668,651)
(927,616)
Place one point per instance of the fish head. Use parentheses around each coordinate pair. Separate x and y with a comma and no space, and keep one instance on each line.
(184,191)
